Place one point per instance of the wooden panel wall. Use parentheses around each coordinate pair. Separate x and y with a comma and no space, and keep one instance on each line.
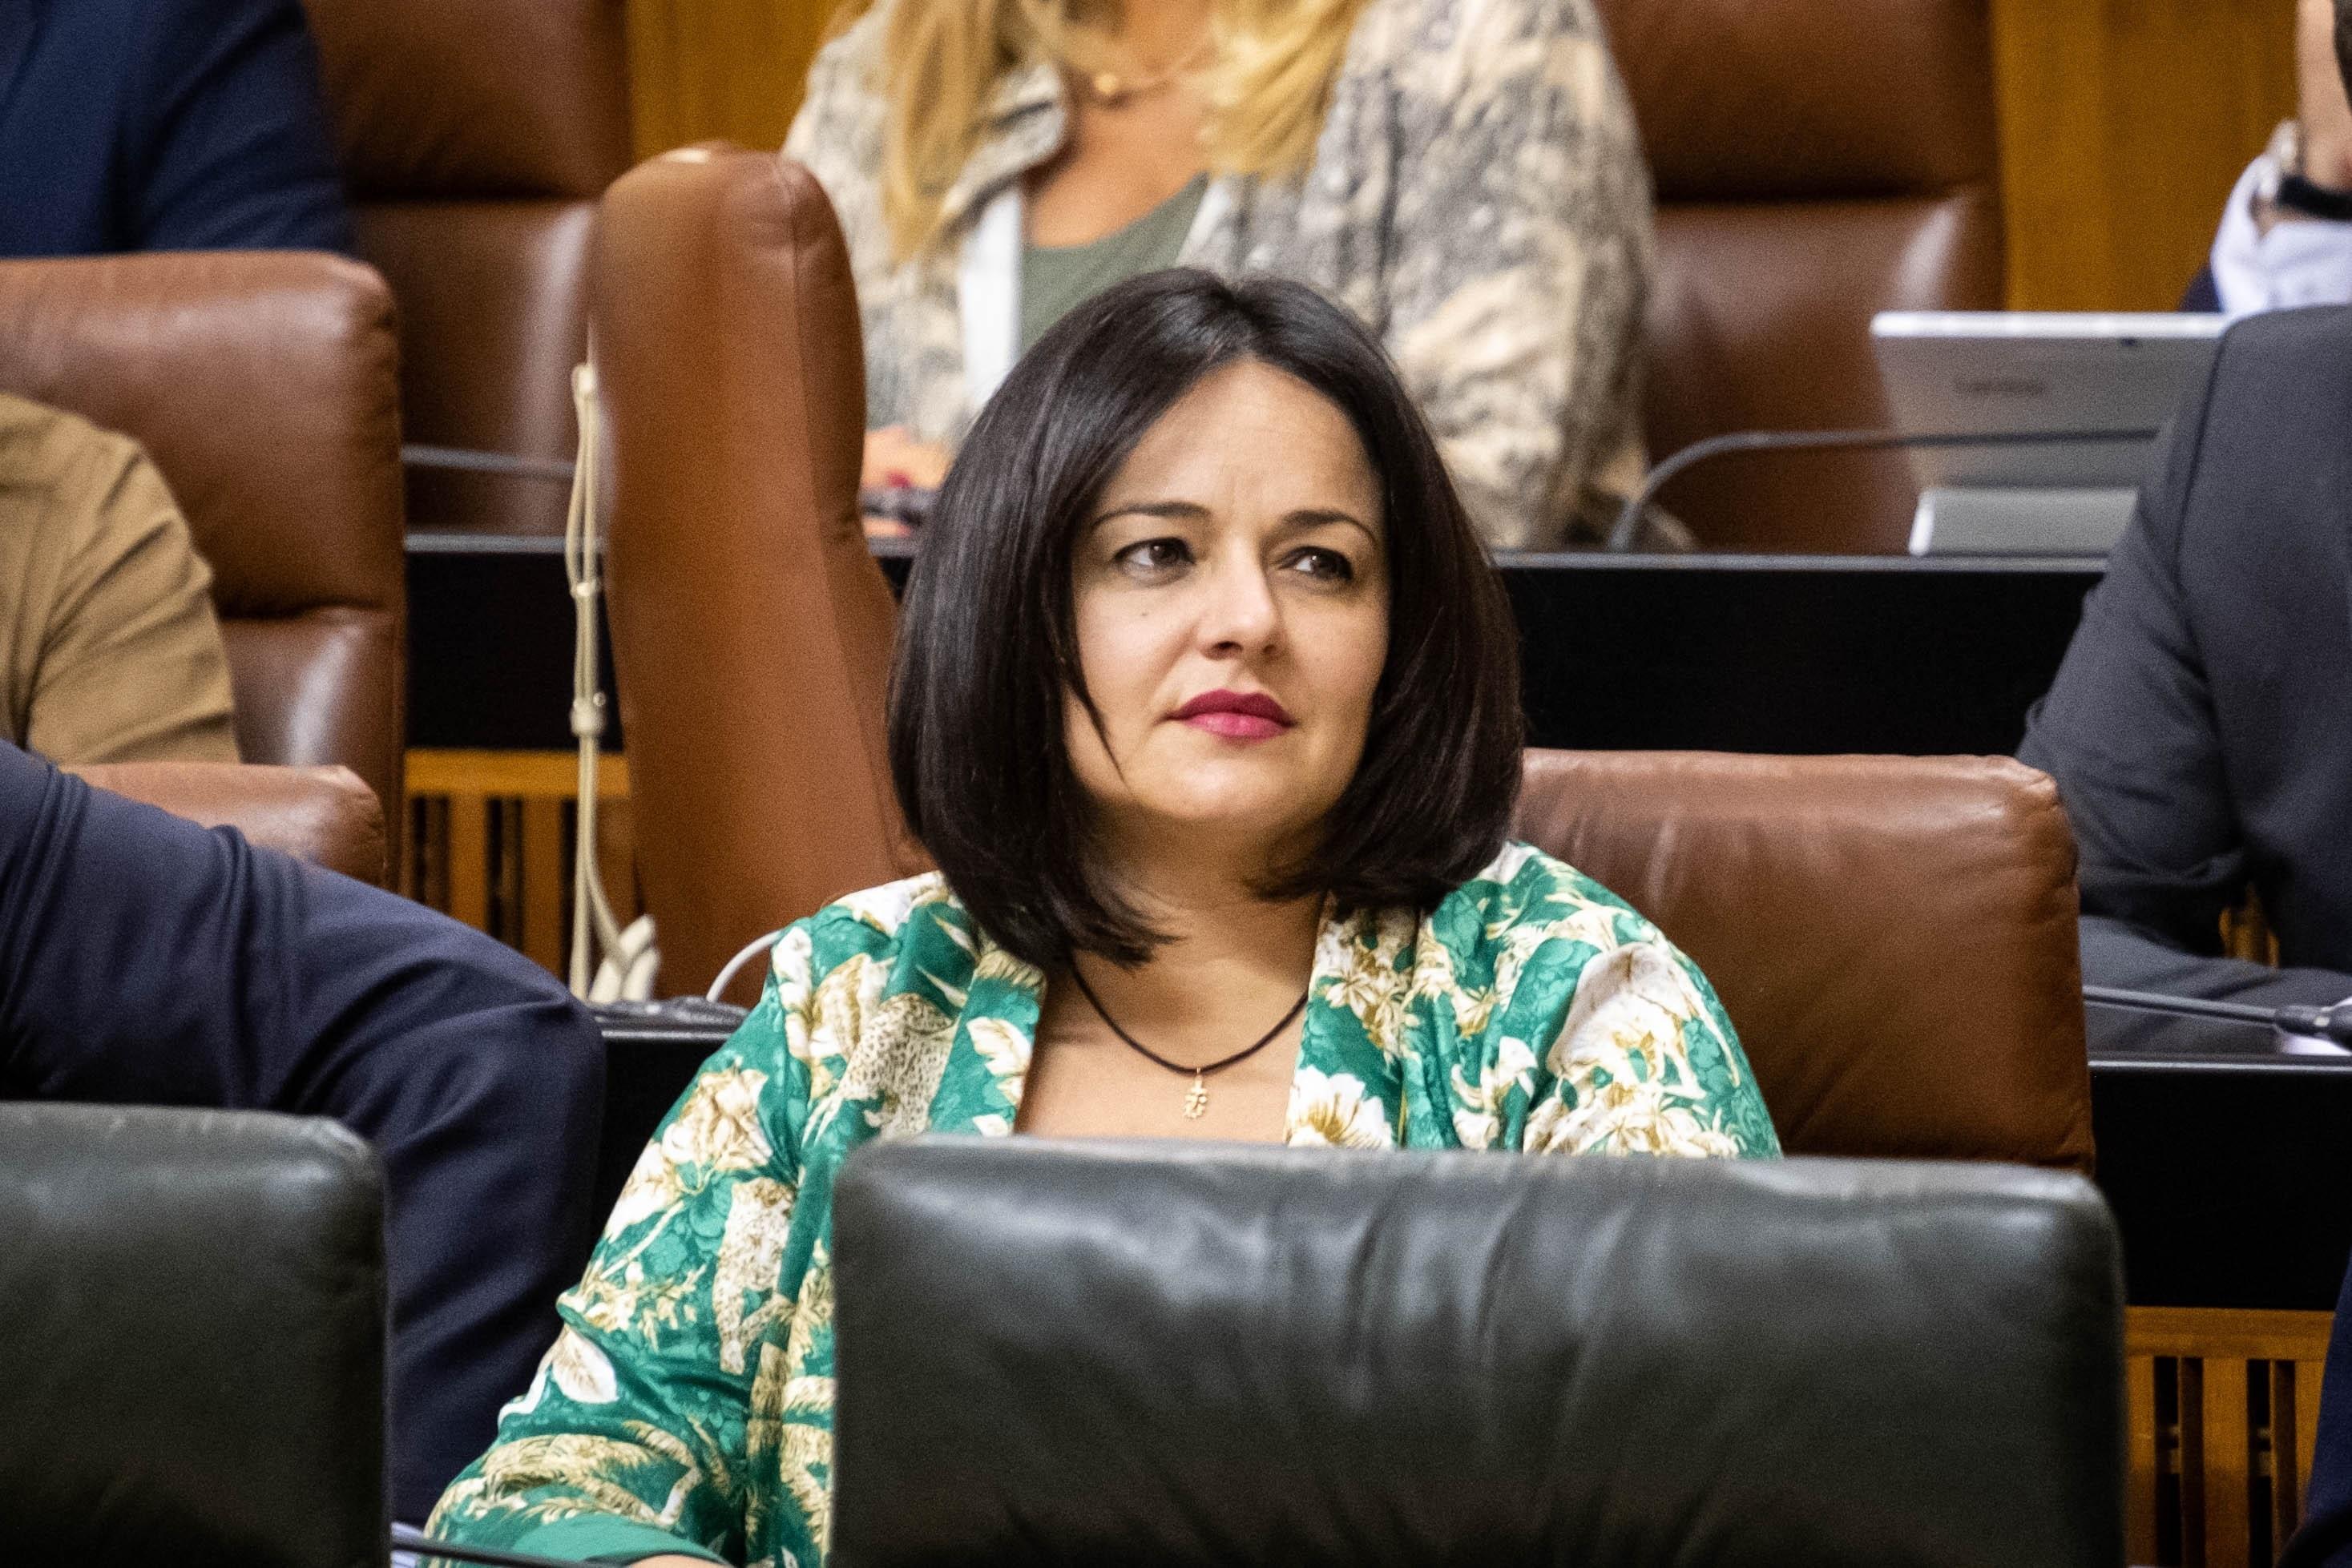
(2123,123)
(727,68)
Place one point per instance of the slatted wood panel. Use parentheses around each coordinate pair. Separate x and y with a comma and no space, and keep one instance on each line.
(723,69)
(490,843)
(2123,124)
(2221,1410)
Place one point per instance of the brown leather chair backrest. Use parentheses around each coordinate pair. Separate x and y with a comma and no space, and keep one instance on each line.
(751,630)
(1893,936)
(265,386)
(475,137)
(1816,161)
(323,815)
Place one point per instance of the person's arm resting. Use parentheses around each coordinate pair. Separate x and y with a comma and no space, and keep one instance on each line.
(150,961)
(2129,733)
(2280,265)
(652,1426)
(132,666)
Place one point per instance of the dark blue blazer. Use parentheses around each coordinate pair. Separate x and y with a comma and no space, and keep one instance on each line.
(163,125)
(144,960)
(2325,1538)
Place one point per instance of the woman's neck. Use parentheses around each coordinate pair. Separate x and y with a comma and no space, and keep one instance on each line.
(1157,34)
(1224,945)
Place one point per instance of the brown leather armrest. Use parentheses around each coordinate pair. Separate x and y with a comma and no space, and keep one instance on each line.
(265,386)
(323,815)
(1893,936)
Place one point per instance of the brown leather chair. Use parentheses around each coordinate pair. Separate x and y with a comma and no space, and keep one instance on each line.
(323,815)
(752,629)
(475,137)
(264,385)
(1816,161)
(1893,936)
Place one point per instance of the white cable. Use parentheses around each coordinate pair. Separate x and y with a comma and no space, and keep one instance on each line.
(751,949)
(592,921)
(626,975)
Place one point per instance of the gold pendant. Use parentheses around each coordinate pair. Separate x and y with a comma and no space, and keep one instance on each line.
(1108,88)
(1196,1102)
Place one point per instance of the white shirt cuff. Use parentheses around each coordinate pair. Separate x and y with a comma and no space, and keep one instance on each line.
(2302,261)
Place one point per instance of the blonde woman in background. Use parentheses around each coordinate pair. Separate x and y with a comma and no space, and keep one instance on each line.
(1463,174)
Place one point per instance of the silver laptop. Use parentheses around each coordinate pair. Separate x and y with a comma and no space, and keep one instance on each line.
(1984,372)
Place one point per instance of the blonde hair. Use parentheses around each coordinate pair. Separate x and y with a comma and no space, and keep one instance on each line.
(1267,88)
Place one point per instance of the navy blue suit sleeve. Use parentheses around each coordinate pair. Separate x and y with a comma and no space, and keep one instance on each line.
(2325,1541)
(146,960)
(229,146)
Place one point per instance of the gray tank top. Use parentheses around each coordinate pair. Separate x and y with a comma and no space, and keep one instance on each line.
(1056,278)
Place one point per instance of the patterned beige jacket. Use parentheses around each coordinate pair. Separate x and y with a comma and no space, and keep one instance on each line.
(1477,197)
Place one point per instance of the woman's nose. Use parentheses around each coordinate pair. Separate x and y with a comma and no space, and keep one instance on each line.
(1238,611)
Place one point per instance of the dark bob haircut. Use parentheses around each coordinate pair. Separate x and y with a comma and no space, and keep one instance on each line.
(987,649)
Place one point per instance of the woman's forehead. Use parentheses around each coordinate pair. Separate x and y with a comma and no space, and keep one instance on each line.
(1250,434)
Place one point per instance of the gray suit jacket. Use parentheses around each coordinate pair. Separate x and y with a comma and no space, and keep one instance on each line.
(2201,728)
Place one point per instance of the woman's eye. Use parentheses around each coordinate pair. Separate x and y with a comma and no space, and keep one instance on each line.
(1155,555)
(1329,565)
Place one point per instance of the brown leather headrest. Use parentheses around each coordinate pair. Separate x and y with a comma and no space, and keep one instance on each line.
(265,386)
(476,97)
(751,630)
(323,815)
(1764,99)
(1893,936)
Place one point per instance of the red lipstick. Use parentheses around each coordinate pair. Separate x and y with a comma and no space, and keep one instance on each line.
(1236,716)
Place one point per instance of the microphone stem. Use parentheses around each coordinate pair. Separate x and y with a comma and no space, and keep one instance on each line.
(1629,517)
(2333,1024)
(2186,1007)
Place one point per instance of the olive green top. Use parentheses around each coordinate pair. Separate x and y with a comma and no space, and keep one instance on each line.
(1056,279)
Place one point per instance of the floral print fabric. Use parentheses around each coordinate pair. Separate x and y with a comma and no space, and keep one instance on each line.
(688,1404)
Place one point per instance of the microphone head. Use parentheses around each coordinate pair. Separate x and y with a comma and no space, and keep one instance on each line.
(2326,1023)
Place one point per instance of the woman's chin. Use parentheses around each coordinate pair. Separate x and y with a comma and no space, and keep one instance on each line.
(1219,819)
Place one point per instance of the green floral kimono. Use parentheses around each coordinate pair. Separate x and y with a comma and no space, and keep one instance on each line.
(688,1404)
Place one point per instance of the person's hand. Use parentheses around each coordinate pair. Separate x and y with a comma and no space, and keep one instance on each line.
(2320,100)
(896,460)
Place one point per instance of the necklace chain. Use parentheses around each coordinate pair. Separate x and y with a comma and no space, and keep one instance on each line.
(1110,88)
(1196,1098)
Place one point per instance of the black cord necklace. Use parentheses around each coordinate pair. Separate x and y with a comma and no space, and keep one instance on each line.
(1196,1099)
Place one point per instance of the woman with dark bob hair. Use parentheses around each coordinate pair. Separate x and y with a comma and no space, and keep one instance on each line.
(1206,705)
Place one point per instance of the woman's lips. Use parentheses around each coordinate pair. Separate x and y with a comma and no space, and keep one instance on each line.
(1235,726)
(1235,715)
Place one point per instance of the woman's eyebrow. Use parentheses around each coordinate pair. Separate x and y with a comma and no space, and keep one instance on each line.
(1296,521)
(1188,510)
(1307,517)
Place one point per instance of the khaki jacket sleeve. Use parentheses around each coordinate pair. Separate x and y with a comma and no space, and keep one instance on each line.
(130,665)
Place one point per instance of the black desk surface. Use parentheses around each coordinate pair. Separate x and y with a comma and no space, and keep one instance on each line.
(2230,1177)
(1725,652)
